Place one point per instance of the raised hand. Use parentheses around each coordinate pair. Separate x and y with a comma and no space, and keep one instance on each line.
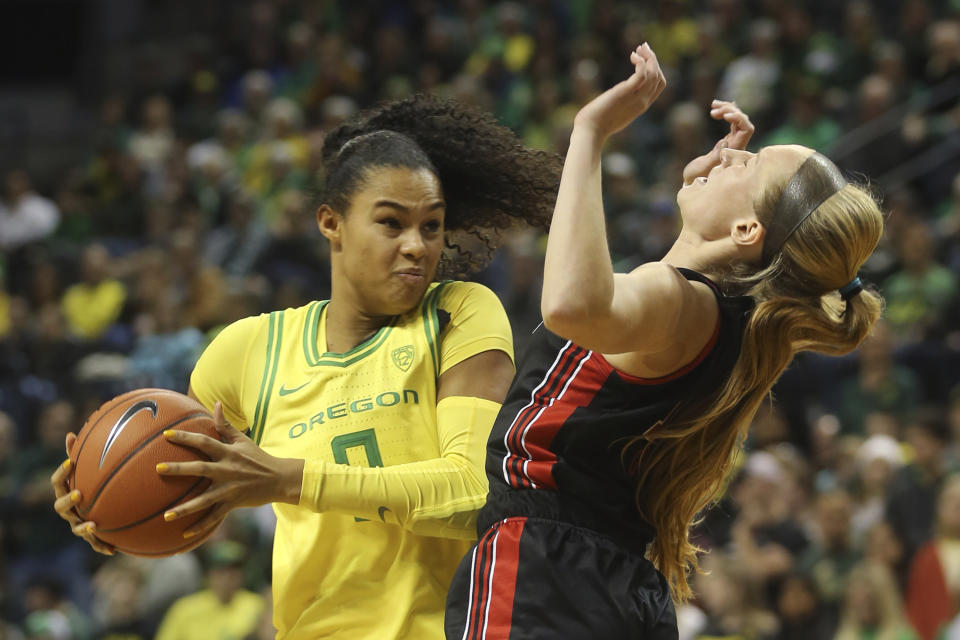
(618,106)
(741,130)
(241,473)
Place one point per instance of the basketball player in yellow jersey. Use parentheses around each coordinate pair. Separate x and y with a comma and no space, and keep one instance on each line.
(372,406)
(366,416)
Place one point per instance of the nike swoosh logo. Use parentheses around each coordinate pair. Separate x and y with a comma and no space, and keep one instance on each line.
(381,511)
(285,392)
(120,425)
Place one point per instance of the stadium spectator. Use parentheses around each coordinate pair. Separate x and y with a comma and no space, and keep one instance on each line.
(877,459)
(800,611)
(934,585)
(731,602)
(880,384)
(920,292)
(831,555)
(25,216)
(224,609)
(93,304)
(872,606)
(43,549)
(913,490)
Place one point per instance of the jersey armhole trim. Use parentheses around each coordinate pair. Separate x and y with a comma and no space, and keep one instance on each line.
(271,362)
(682,371)
(431,324)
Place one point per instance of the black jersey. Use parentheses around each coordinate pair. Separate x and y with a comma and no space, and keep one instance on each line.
(556,448)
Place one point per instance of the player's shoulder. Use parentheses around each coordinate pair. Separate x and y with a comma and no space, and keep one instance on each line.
(454,294)
(675,287)
(660,274)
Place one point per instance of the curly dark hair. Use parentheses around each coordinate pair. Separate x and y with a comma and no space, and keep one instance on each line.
(491,182)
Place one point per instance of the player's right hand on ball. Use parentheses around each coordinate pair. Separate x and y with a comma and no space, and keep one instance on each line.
(66,499)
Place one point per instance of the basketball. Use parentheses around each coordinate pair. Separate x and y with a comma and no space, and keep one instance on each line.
(114,467)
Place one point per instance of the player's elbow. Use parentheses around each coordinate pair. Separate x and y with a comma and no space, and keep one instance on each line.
(564,314)
(574,322)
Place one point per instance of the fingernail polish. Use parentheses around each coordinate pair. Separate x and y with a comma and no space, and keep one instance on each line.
(163,467)
(67,463)
(75,497)
(188,534)
(168,433)
(89,527)
(169,515)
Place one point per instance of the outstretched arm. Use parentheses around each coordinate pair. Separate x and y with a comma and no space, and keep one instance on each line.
(582,299)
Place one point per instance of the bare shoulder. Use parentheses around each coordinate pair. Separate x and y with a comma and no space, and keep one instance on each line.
(659,277)
(675,296)
(679,325)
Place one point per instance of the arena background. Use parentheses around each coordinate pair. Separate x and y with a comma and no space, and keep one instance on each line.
(159,158)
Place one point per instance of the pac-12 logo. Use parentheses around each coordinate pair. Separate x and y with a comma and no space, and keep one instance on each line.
(403,357)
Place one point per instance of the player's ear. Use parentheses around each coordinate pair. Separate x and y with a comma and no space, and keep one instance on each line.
(330,223)
(747,233)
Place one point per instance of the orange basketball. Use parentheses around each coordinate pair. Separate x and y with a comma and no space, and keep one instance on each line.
(114,466)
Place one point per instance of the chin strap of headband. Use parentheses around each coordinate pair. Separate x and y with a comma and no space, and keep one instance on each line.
(814,182)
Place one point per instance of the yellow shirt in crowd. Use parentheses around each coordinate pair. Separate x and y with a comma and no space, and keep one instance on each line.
(201,616)
(91,309)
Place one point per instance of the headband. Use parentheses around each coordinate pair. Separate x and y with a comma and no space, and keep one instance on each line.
(814,182)
(355,139)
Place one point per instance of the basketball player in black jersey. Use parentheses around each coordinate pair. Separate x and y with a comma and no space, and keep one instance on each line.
(631,400)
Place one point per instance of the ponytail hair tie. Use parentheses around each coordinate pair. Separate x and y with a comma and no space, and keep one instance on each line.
(851,289)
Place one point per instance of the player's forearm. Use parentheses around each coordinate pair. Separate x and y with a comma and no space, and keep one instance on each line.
(578,274)
(434,497)
(438,497)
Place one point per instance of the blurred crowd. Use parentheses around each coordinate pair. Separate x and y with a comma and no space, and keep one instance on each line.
(194,207)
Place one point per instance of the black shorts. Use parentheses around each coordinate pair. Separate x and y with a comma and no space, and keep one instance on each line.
(532,578)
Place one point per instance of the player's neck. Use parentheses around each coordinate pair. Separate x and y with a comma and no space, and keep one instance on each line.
(347,326)
(692,251)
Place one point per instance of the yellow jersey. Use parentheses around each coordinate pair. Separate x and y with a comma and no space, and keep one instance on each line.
(374,560)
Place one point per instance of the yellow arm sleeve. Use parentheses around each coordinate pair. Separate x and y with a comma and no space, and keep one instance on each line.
(438,497)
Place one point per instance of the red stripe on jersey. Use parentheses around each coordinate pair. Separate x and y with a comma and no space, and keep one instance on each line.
(482,557)
(541,396)
(506,562)
(581,389)
(545,392)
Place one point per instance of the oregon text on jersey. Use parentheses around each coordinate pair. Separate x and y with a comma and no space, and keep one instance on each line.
(361,405)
